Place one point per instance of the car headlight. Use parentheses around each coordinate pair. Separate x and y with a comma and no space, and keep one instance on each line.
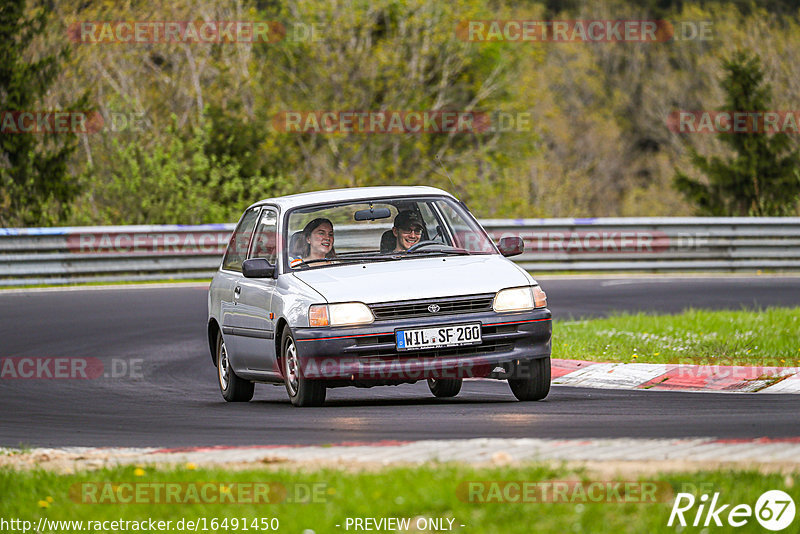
(519,299)
(348,313)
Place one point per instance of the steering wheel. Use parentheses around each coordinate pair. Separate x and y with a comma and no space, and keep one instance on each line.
(421,244)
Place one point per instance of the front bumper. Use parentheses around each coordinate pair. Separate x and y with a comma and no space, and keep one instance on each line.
(368,354)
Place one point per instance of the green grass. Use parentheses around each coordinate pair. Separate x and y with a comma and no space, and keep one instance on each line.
(431,491)
(769,337)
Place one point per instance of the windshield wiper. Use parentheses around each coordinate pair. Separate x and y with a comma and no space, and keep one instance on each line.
(347,258)
(435,247)
(450,251)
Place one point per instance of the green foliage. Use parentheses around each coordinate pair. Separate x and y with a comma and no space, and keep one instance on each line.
(36,186)
(595,144)
(187,179)
(387,56)
(763,177)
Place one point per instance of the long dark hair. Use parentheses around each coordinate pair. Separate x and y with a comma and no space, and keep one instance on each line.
(309,229)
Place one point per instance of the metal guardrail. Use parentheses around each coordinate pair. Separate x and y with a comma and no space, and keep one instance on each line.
(654,244)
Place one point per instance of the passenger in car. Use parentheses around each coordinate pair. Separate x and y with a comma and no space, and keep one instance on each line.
(316,243)
(407,230)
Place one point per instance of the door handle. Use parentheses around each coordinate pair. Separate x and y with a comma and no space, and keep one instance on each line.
(237,292)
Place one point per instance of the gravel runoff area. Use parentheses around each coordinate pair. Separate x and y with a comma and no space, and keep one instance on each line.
(604,455)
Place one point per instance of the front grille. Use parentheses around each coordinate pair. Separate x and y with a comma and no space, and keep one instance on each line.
(419,308)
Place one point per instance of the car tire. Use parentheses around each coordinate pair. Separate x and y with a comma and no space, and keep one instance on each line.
(445,387)
(534,379)
(302,391)
(233,388)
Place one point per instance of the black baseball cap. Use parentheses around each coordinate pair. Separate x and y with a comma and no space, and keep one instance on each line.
(407,219)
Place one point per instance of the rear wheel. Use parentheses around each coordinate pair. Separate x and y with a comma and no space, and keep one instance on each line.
(533,379)
(302,391)
(445,387)
(233,388)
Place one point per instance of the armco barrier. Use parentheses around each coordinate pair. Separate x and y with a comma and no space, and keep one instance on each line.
(655,244)
(110,253)
(114,253)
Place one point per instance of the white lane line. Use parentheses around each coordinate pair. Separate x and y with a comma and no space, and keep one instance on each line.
(109,287)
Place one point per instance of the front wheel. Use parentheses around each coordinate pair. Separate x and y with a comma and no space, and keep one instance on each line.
(444,387)
(302,391)
(533,379)
(233,388)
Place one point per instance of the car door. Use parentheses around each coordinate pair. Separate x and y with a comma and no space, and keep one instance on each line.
(255,325)
(229,279)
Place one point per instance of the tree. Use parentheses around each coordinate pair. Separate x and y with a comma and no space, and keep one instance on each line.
(35,184)
(181,179)
(762,178)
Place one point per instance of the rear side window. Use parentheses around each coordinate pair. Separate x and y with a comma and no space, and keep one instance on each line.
(240,241)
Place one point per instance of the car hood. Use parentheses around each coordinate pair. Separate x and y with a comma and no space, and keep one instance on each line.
(415,278)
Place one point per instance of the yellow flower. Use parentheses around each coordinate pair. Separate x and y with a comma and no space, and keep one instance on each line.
(49,499)
(139,472)
(634,356)
(783,361)
(190,466)
(224,489)
(656,354)
(43,504)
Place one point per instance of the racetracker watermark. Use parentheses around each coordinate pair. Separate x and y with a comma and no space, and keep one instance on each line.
(210,492)
(168,243)
(635,241)
(728,368)
(69,122)
(413,366)
(69,368)
(582,31)
(50,122)
(401,122)
(190,32)
(738,122)
(564,491)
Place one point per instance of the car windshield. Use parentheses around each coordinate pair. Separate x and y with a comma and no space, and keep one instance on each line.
(392,229)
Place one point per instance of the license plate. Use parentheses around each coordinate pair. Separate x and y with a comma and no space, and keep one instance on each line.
(438,336)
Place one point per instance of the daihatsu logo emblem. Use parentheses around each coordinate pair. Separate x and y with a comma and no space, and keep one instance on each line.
(434,308)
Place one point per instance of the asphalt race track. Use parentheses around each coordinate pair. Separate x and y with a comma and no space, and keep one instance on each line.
(176,402)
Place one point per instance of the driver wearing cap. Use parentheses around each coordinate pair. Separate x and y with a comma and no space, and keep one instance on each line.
(407,230)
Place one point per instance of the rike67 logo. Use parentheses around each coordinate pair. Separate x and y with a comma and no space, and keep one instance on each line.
(774,510)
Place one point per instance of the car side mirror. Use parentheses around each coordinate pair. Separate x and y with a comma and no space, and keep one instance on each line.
(258,268)
(511,246)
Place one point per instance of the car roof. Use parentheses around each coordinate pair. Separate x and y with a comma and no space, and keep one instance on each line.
(354,194)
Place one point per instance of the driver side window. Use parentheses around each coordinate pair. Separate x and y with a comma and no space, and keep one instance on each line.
(266,237)
(433,226)
(240,240)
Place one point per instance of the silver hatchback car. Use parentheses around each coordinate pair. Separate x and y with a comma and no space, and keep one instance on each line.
(373,286)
